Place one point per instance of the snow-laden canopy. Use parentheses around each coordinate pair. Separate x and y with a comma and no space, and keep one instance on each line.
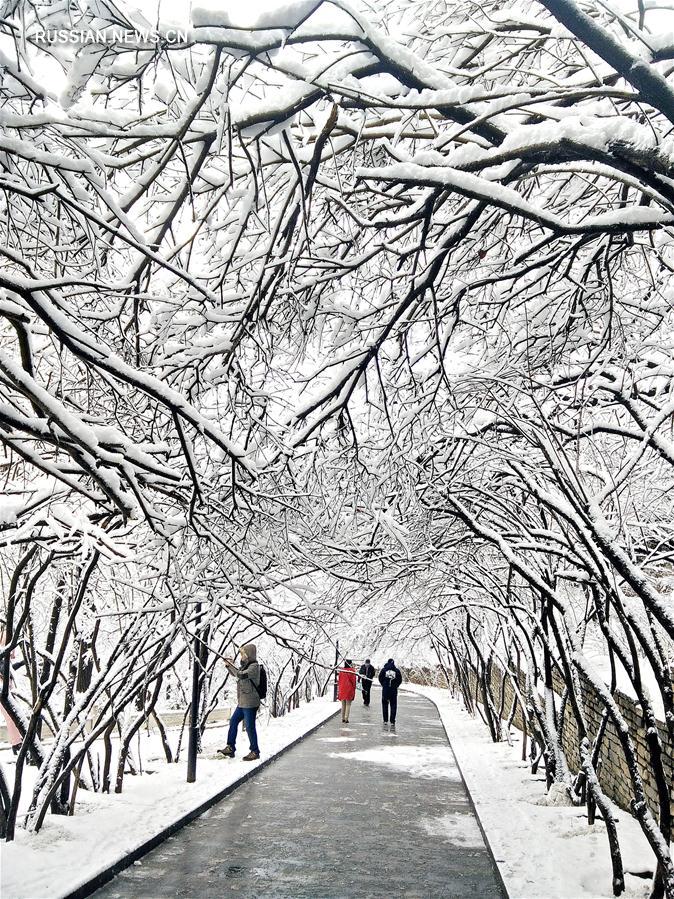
(323,320)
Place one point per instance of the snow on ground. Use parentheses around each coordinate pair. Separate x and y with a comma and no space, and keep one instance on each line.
(68,851)
(542,852)
(457,828)
(416,761)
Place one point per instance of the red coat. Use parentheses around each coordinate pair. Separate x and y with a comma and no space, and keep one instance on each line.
(346,684)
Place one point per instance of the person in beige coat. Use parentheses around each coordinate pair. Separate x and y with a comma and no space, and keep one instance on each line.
(248,702)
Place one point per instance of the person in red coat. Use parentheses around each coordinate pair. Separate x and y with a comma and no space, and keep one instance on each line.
(346,688)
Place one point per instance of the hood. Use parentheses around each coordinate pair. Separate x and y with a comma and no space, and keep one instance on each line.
(390,664)
(250,650)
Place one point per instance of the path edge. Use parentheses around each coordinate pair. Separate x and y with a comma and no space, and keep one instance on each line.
(108,873)
(495,865)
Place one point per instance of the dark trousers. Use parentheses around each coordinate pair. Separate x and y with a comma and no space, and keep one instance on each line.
(248,717)
(366,686)
(389,700)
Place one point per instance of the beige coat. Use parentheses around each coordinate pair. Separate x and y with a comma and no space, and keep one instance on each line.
(248,678)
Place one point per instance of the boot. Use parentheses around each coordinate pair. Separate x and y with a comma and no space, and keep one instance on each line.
(251,757)
(227,752)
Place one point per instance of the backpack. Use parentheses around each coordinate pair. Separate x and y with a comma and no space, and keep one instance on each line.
(262,687)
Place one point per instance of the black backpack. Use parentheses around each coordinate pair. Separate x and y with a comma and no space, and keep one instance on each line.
(262,687)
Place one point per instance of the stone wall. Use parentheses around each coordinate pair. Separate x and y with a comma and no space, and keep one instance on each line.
(424,674)
(613,773)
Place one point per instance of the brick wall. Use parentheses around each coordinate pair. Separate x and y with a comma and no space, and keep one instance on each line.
(613,773)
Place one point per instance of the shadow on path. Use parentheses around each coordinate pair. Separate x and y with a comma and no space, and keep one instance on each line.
(354,811)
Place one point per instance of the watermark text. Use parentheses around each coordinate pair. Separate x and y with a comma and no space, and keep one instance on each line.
(112,35)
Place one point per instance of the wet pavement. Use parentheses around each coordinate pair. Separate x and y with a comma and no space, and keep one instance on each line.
(354,811)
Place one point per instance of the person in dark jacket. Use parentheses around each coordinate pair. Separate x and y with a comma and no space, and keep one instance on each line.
(367,673)
(248,702)
(390,679)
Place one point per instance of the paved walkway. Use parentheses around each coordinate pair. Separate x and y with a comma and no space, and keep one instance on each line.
(353,812)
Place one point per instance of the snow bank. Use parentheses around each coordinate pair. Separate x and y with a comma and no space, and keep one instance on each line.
(542,851)
(68,852)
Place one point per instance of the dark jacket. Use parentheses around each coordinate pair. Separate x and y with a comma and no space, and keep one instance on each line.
(390,679)
(367,673)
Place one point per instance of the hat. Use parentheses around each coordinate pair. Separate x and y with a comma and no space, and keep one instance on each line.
(347,661)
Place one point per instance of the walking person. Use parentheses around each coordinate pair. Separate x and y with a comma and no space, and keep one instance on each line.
(248,702)
(367,673)
(346,688)
(390,679)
